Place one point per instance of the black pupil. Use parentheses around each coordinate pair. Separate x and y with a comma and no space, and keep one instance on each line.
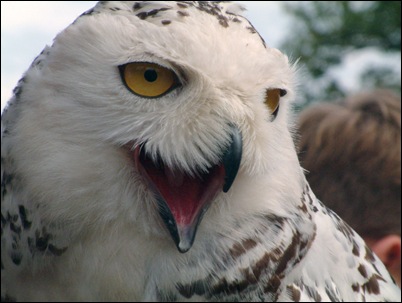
(150,75)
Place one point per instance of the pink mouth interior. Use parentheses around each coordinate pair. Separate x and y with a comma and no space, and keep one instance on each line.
(185,195)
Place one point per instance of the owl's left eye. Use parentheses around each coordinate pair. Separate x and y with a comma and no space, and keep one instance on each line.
(147,79)
(272,99)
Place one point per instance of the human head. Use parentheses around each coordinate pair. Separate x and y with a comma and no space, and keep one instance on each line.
(352,153)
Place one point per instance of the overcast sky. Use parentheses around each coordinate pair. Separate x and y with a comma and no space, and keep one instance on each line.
(27,26)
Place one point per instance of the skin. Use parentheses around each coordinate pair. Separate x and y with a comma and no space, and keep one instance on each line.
(388,249)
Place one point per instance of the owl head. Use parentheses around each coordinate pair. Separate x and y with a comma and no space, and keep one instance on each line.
(152,113)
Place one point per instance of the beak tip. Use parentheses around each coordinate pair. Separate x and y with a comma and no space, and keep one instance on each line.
(186,235)
(226,187)
(183,247)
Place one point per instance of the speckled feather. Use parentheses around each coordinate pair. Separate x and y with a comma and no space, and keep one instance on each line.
(79,222)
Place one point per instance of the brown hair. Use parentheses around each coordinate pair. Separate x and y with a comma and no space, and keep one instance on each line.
(352,152)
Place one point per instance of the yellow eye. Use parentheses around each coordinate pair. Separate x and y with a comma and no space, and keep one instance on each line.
(148,80)
(272,99)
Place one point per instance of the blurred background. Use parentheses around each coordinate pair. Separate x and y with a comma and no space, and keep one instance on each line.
(342,47)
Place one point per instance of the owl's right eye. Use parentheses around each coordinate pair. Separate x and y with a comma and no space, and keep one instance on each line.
(147,79)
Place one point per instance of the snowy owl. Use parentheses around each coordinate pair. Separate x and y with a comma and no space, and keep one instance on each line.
(147,155)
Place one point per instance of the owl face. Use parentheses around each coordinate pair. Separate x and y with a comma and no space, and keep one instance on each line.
(154,103)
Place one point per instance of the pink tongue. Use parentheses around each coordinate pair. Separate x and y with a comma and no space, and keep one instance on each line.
(185,195)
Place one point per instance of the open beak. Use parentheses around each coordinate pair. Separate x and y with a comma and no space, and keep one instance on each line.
(184,199)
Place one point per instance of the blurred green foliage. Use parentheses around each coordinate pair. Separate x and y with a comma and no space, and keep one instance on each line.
(324,32)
